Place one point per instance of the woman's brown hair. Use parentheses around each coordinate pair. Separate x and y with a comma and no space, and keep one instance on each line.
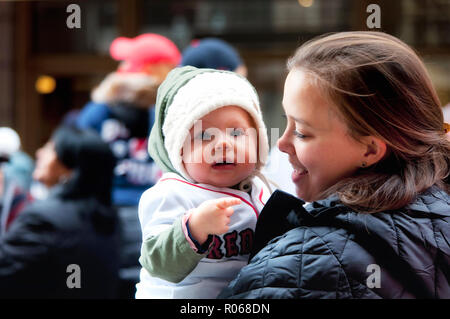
(380,87)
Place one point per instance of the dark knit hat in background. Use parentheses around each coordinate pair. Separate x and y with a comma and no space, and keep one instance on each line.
(211,53)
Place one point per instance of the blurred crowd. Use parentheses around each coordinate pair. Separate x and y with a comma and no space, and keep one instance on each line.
(77,201)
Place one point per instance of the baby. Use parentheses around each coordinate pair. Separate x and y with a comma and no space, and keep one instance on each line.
(198,221)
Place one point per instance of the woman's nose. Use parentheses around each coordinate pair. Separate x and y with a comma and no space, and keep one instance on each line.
(284,143)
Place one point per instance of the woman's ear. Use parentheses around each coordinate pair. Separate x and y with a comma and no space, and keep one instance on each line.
(375,150)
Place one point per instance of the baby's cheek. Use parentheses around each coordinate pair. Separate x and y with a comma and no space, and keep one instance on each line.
(197,172)
(207,154)
(252,152)
(192,154)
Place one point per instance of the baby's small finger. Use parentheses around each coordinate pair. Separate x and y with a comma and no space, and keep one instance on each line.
(227,202)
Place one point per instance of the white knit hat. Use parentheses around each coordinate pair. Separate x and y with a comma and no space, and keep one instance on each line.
(201,95)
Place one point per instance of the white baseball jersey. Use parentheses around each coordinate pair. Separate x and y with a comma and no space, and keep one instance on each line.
(172,197)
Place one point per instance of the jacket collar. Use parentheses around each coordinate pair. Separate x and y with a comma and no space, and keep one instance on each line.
(434,200)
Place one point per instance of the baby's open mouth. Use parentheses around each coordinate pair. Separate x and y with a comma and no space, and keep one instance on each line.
(224,165)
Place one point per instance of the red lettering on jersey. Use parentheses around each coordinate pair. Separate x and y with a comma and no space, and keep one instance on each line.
(215,252)
(246,241)
(231,249)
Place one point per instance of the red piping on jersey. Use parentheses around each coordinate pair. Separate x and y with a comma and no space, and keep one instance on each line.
(226,193)
(260,196)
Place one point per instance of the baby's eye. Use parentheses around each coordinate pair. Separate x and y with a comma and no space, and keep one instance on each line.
(204,136)
(237,132)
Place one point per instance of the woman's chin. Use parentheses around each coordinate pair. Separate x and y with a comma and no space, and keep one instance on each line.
(299,193)
(303,195)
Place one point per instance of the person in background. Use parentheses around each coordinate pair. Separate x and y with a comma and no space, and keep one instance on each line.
(16,168)
(122,112)
(67,245)
(213,53)
(367,140)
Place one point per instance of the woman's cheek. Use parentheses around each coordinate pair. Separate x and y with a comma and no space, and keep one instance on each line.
(299,151)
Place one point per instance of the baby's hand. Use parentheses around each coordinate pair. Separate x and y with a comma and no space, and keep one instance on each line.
(212,217)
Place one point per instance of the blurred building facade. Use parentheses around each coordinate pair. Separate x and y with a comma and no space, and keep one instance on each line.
(36,42)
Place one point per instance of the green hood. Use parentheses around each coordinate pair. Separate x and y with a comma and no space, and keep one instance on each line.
(166,92)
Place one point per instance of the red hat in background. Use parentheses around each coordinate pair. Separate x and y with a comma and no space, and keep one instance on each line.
(145,49)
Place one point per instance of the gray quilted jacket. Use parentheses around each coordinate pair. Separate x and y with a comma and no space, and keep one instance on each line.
(326,250)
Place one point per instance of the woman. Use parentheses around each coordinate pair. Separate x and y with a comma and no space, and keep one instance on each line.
(65,246)
(366,138)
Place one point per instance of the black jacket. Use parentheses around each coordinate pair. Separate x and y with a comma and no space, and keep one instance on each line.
(48,237)
(328,251)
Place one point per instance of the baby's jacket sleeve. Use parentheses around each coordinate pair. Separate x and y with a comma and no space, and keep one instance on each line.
(165,251)
(169,255)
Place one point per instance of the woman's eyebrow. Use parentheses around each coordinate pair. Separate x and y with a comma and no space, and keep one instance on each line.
(300,121)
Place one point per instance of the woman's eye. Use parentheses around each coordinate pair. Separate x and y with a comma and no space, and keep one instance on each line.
(236,132)
(299,135)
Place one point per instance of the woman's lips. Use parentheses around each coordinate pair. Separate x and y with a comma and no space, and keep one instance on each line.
(297,175)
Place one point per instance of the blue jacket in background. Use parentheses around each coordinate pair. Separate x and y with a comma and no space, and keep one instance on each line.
(135,170)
